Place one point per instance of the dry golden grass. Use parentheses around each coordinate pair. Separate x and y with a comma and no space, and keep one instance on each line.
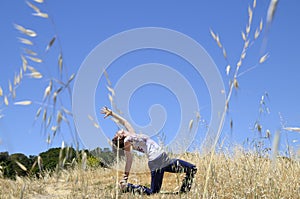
(239,175)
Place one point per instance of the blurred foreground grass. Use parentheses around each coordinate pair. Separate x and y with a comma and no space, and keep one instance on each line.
(235,175)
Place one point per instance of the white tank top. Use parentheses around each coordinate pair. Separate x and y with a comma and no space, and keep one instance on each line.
(144,144)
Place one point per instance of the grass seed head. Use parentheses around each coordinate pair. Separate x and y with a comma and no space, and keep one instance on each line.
(248,28)
(35,8)
(21,73)
(250,13)
(9,86)
(191,124)
(54,97)
(246,44)
(23,103)
(218,41)
(263,58)
(111,90)
(41,14)
(45,115)
(254,3)
(25,41)
(21,166)
(40,163)
(35,59)
(25,31)
(224,53)
(239,63)
(30,52)
(271,10)
(39,1)
(213,34)
(235,83)
(60,62)
(268,133)
(51,43)
(292,129)
(243,55)
(6,100)
(24,63)
(228,69)
(59,117)
(261,25)
(256,34)
(35,75)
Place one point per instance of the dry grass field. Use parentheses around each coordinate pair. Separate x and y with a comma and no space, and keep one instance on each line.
(239,175)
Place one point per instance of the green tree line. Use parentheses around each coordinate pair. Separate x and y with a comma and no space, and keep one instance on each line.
(18,164)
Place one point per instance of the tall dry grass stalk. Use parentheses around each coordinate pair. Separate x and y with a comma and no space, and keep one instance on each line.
(53,104)
(233,84)
(232,175)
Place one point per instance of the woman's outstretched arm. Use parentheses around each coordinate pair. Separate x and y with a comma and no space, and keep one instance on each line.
(119,119)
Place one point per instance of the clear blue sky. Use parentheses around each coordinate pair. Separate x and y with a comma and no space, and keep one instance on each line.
(82,25)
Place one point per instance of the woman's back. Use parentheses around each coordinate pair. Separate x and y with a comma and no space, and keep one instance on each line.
(144,144)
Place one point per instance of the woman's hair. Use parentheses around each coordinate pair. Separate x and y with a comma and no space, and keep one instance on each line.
(115,141)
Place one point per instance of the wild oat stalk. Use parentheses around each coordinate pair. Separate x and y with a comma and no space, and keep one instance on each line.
(52,105)
(234,82)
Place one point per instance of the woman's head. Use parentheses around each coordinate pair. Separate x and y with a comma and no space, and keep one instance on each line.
(118,139)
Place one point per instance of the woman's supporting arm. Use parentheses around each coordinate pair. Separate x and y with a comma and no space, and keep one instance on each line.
(129,158)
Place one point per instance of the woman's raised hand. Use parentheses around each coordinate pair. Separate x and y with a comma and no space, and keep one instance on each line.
(106,111)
